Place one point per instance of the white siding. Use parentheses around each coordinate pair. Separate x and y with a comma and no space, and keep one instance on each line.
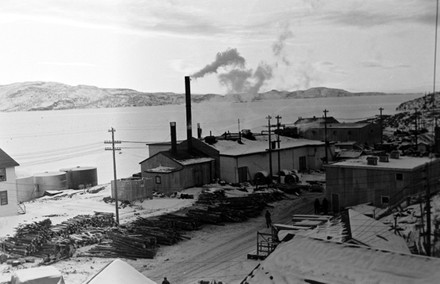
(11,187)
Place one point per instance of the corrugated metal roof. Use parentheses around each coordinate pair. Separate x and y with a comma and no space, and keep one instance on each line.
(6,161)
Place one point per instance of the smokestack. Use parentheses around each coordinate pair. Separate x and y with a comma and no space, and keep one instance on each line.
(199,131)
(188,113)
(173,138)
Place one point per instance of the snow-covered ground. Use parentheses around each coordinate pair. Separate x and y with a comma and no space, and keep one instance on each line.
(77,202)
(215,252)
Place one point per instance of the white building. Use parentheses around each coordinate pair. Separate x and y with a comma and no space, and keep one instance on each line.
(8,185)
(241,160)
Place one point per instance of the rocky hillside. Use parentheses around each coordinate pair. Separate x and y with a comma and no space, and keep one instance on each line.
(29,96)
(320,92)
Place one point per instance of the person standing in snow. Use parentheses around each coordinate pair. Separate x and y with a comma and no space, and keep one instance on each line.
(165,281)
(317,206)
(268,219)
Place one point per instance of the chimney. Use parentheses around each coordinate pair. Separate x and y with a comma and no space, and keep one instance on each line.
(395,154)
(199,131)
(173,138)
(384,158)
(188,113)
(372,161)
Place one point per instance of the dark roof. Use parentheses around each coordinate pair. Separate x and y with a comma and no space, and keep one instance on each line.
(322,120)
(6,161)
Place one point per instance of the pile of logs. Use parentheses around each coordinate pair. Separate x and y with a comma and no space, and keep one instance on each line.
(138,239)
(41,238)
(28,238)
(78,223)
(123,244)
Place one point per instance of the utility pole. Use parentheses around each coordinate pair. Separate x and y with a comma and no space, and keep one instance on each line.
(279,146)
(270,146)
(113,149)
(416,128)
(325,136)
(381,126)
(428,210)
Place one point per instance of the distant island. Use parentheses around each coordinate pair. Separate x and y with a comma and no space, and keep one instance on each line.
(38,96)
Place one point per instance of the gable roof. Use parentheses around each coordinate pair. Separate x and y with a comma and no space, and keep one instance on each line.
(119,272)
(305,259)
(181,157)
(260,145)
(6,161)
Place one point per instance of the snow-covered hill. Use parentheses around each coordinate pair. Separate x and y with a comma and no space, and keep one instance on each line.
(29,96)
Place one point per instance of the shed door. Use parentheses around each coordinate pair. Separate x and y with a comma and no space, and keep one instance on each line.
(198,178)
(302,163)
(242,174)
(335,203)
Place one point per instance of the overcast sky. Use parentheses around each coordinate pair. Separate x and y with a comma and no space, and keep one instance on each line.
(147,45)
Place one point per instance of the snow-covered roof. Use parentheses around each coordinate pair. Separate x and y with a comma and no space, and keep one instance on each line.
(195,161)
(403,163)
(305,259)
(346,125)
(42,274)
(374,233)
(261,144)
(6,161)
(162,169)
(119,272)
(334,230)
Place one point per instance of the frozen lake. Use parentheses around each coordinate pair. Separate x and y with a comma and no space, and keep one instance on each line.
(50,140)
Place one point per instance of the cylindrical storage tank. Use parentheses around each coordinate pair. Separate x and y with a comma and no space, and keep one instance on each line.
(291,179)
(81,177)
(26,189)
(50,181)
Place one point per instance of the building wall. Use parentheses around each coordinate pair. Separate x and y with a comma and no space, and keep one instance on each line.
(369,134)
(205,149)
(289,159)
(130,190)
(187,176)
(356,185)
(10,187)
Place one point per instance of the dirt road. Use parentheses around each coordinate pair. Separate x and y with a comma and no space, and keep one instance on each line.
(220,252)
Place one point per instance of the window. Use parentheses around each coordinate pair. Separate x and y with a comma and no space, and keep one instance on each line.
(399,176)
(3,197)
(385,200)
(158,180)
(2,174)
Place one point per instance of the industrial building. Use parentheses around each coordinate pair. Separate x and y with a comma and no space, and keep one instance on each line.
(382,181)
(241,159)
(362,133)
(8,187)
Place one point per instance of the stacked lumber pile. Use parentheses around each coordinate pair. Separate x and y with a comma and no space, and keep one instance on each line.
(120,243)
(41,238)
(28,238)
(78,223)
(162,230)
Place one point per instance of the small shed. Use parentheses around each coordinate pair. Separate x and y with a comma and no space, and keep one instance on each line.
(174,172)
(133,189)
(81,177)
